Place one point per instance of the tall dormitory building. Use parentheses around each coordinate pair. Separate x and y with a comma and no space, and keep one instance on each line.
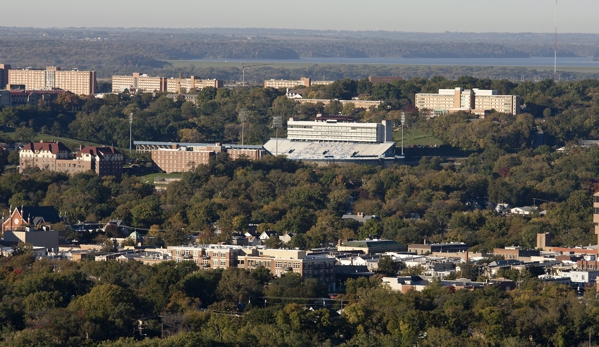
(74,81)
(476,101)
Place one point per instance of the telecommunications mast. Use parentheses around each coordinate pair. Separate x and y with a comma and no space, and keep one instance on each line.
(555,47)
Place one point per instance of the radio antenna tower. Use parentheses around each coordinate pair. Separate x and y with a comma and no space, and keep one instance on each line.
(555,47)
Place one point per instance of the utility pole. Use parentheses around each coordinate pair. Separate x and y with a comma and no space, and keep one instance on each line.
(277,122)
(403,121)
(130,131)
(243,116)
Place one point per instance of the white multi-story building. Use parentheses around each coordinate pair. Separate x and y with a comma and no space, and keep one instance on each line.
(477,101)
(336,139)
(326,129)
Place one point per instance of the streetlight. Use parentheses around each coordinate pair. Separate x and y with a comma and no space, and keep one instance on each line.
(277,122)
(243,115)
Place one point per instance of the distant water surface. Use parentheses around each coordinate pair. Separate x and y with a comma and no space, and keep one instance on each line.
(533,61)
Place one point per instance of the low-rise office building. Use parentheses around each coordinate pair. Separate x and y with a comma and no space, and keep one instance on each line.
(277,261)
(371,246)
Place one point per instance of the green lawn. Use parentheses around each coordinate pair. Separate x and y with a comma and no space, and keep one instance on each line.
(69,142)
(156,177)
(416,137)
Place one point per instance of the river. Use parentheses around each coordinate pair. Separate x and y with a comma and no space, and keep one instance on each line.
(533,61)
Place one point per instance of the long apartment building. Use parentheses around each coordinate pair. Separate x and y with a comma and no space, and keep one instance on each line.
(477,101)
(184,85)
(149,84)
(138,82)
(278,261)
(338,129)
(55,156)
(182,157)
(272,83)
(74,81)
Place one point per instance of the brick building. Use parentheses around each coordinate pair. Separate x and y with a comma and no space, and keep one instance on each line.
(34,217)
(55,156)
(181,157)
(104,161)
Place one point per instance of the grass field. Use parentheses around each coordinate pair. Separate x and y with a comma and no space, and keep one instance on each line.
(156,177)
(298,65)
(69,142)
(416,137)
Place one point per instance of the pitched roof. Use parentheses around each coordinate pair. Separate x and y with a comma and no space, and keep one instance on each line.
(39,214)
(98,151)
(52,147)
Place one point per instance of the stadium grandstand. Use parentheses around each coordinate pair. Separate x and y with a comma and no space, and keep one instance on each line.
(336,140)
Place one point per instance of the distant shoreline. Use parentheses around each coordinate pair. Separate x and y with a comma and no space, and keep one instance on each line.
(506,62)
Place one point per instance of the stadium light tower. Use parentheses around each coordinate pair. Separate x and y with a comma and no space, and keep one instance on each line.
(243,116)
(403,121)
(130,131)
(277,122)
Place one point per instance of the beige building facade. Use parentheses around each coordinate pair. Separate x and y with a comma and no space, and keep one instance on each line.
(477,101)
(362,104)
(138,82)
(278,261)
(184,85)
(74,81)
(55,156)
(272,83)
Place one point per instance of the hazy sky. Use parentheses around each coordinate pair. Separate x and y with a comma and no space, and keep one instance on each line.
(395,15)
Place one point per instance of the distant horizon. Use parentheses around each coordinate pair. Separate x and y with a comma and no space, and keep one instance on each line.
(306,29)
(426,16)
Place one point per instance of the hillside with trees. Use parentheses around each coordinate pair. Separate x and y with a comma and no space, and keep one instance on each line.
(111,51)
(62,303)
